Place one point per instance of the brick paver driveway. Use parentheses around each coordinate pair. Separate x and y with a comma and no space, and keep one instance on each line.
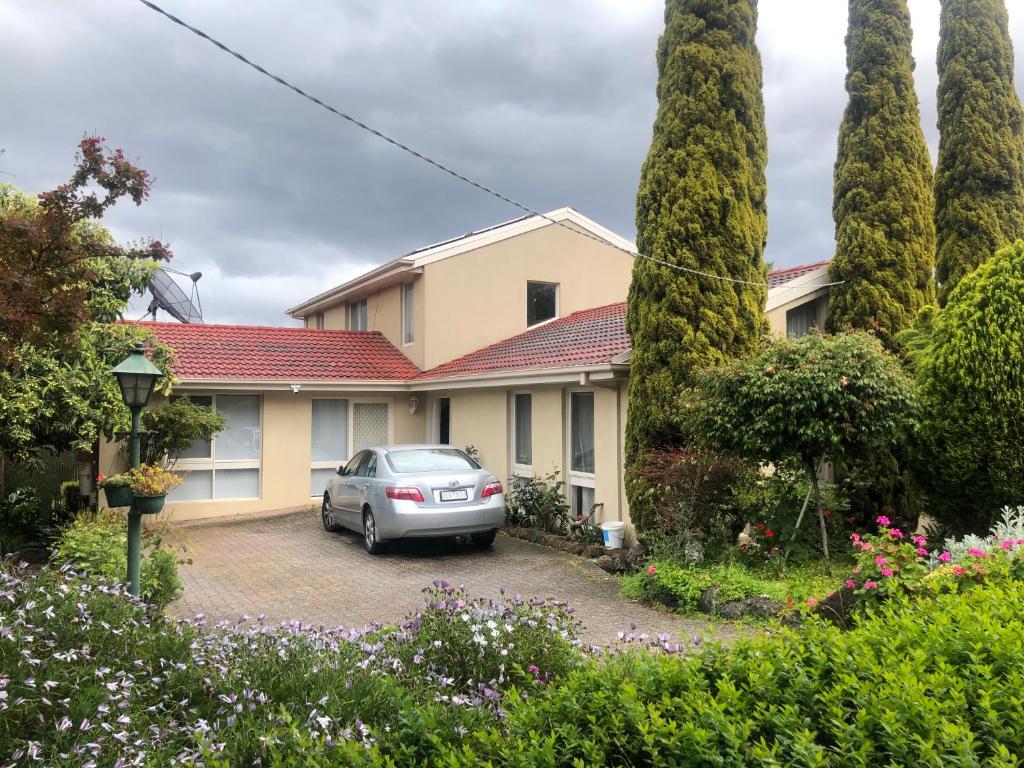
(289,567)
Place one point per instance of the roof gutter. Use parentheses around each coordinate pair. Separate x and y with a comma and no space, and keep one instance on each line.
(383,276)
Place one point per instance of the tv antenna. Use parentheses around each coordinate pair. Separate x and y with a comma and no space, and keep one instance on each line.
(168,296)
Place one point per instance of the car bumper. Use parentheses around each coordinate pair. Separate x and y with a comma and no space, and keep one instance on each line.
(406,520)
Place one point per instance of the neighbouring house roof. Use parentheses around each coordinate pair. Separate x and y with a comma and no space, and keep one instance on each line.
(398,270)
(797,285)
(586,338)
(262,353)
(779,277)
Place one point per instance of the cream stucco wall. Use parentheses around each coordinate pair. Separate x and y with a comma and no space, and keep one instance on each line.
(286,423)
(473,299)
(482,417)
(479,297)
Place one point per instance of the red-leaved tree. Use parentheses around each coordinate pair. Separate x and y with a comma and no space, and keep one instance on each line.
(47,250)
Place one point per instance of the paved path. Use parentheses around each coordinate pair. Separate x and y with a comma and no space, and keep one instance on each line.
(289,567)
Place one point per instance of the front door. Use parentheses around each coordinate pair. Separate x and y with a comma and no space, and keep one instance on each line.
(444,421)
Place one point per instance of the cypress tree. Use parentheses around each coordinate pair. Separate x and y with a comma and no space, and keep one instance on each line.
(882,205)
(700,205)
(979,179)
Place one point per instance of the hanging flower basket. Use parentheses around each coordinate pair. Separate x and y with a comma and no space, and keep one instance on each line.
(118,495)
(148,505)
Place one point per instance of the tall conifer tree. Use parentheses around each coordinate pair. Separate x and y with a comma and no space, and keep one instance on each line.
(701,205)
(979,179)
(883,205)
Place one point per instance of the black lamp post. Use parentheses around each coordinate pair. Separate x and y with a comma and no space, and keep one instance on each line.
(136,376)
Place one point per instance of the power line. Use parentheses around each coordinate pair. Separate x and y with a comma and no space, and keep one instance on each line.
(436,164)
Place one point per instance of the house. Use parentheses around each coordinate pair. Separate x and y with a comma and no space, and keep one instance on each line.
(511,339)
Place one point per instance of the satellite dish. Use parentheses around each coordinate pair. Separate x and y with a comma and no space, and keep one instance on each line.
(168,296)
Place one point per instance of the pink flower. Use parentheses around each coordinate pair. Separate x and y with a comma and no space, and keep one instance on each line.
(880,560)
(1007,544)
(922,552)
(870,585)
(811,602)
(887,571)
(865,547)
(896,533)
(945,557)
(959,571)
(919,540)
(851,584)
(976,553)
(882,520)
(651,570)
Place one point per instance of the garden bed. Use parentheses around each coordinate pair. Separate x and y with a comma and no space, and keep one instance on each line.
(623,560)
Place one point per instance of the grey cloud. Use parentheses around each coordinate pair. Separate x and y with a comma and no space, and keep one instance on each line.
(274,200)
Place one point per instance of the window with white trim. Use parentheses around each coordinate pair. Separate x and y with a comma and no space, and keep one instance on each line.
(228,466)
(581,452)
(341,428)
(522,434)
(541,302)
(357,316)
(408,315)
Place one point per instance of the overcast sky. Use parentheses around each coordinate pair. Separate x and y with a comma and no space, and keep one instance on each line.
(275,200)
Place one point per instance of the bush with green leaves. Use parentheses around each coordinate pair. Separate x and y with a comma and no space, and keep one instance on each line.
(681,586)
(28,522)
(174,426)
(98,545)
(804,399)
(691,497)
(922,684)
(969,460)
(537,502)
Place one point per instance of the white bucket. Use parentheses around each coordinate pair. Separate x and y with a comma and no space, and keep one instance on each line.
(614,531)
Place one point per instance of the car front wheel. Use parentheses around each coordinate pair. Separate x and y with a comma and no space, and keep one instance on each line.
(373,545)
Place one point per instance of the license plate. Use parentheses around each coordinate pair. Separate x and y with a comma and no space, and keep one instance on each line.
(459,495)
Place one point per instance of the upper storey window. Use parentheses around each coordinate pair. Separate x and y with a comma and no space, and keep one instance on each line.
(357,317)
(541,302)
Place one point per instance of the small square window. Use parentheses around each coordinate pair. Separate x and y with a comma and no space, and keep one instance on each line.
(541,302)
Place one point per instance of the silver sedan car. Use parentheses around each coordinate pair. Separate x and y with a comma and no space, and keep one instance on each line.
(402,491)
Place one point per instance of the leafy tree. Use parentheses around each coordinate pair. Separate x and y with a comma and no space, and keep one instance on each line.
(55,398)
(700,206)
(806,399)
(177,424)
(979,178)
(970,457)
(883,207)
(53,257)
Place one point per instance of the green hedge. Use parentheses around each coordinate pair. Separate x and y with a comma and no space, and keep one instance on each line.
(932,684)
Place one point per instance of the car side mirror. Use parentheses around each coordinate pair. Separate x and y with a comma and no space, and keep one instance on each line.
(341,470)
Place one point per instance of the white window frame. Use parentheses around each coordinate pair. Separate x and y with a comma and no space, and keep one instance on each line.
(362,309)
(558,302)
(520,470)
(408,314)
(212,464)
(573,477)
(352,402)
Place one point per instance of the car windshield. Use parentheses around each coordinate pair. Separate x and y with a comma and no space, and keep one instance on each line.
(430,460)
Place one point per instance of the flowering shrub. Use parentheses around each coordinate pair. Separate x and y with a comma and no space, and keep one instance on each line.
(893,562)
(89,677)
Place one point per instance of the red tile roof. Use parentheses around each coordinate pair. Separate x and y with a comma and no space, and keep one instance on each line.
(588,337)
(246,352)
(781,276)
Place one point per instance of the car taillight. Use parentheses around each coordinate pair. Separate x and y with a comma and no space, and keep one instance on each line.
(405,494)
(491,489)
